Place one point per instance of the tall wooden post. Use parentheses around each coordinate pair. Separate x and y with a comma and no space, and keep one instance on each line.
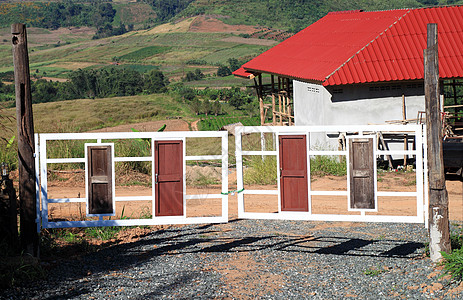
(25,124)
(438,199)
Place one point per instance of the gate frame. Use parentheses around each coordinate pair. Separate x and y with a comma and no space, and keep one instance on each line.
(42,181)
(361,130)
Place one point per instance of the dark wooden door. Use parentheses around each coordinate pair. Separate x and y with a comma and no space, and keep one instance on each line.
(169,178)
(293,173)
(361,163)
(100,196)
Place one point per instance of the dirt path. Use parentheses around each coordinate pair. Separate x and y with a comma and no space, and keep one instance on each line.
(256,203)
(171,125)
(194,125)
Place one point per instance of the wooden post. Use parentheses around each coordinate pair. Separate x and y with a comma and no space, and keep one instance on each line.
(26,148)
(273,102)
(438,199)
(261,102)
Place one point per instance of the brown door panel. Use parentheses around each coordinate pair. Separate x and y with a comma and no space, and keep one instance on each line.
(100,189)
(361,161)
(293,173)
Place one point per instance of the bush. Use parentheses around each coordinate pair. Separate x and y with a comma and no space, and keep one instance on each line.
(328,165)
(223,71)
(261,171)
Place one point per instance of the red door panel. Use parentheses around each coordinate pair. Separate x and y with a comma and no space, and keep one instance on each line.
(293,173)
(169,178)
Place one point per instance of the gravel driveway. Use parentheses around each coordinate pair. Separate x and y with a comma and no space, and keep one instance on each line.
(255,259)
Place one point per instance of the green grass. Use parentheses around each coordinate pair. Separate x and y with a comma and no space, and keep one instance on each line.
(322,165)
(103,233)
(453,262)
(141,54)
(374,271)
(215,123)
(261,171)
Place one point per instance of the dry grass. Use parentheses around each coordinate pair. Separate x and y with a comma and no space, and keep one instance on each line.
(182,26)
(87,114)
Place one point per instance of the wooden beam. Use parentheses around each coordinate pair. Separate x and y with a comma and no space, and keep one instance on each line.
(261,102)
(438,199)
(26,145)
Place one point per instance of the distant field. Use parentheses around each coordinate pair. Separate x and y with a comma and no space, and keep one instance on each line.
(89,114)
(56,53)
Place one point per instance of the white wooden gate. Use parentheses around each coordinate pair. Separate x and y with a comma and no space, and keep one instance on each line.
(109,218)
(417,210)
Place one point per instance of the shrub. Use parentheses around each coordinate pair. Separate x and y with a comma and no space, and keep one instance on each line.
(328,165)
(261,171)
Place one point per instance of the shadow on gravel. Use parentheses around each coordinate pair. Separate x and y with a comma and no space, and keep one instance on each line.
(209,239)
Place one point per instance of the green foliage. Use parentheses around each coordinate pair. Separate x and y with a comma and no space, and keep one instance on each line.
(288,14)
(8,152)
(103,233)
(223,71)
(195,106)
(156,82)
(167,9)
(453,263)
(101,83)
(214,124)
(327,165)
(261,171)
(192,76)
(374,271)
(53,15)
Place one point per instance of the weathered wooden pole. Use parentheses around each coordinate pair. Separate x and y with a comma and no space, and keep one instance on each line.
(438,199)
(26,162)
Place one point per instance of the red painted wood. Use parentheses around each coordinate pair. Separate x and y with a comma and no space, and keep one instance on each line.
(169,178)
(293,173)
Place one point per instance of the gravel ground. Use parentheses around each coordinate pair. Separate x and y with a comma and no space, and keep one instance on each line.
(255,259)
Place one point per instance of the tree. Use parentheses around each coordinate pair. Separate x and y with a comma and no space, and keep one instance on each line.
(195,106)
(234,64)
(216,108)
(196,75)
(223,71)
(188,94)
(156,82)
(206,106)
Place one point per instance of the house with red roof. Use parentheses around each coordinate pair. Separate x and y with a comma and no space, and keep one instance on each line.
(357,67)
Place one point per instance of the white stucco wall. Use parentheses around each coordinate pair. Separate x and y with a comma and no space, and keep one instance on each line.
(354,104)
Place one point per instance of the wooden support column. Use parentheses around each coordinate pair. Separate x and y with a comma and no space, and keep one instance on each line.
(258,87)
(261,102)
(279,100)
(438,199)
(26,148)
(274,119)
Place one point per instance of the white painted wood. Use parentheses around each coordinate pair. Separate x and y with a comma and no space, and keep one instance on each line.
(37,181)
(152,136)
(260,192)
(146,158)
(414,131)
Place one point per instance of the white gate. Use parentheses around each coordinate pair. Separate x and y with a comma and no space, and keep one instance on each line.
(108,217)
(334,204)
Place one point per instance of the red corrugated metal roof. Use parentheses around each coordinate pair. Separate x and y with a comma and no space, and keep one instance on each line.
(358,47)
(241,72)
